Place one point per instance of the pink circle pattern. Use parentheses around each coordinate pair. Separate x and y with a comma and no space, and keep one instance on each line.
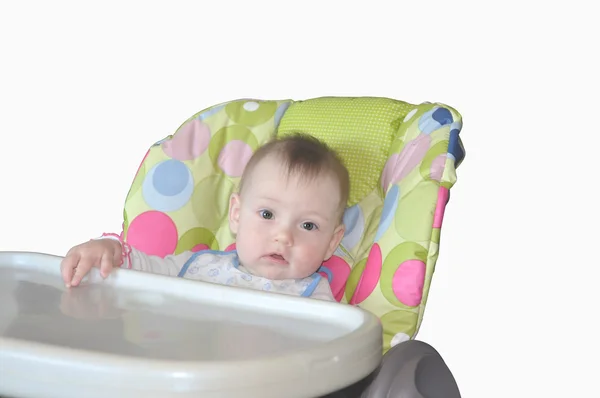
(399,165)
(340,270)
(200,247)
(154,233)
(189,142)
(370,276)
(437,167)
(233,158)
(440,207)
(408,281)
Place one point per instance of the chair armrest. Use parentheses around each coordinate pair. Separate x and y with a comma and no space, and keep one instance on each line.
(412,369)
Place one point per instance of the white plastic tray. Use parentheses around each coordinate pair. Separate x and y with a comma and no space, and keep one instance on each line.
(141,335)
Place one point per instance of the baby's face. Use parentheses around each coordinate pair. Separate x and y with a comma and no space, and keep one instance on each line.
(285,227)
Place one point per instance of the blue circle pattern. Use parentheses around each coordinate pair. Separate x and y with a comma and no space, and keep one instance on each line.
(390,204)
(208,113)
(170,177)
(163,140)
(168,186)
(350,219)
(280,111)
(354,227)
(434,119)
(455,148)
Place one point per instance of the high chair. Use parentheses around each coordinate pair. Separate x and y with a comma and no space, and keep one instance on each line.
(401,159)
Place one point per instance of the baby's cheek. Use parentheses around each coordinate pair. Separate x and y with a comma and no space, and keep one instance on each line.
(248,242)
(246,250)
(311,259)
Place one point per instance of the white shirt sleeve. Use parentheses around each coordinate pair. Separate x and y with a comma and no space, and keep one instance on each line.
(140,261)
(169,265)
(323,291)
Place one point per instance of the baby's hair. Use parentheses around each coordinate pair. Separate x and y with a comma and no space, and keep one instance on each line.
(305,156)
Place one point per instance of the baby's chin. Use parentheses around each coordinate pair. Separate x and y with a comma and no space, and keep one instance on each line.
(275,273)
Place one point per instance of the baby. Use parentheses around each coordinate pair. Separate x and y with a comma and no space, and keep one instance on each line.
(286,217)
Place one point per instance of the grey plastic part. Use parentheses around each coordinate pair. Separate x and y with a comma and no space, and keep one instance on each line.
(412,369)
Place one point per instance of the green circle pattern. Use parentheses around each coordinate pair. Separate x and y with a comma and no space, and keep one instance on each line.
(435,235)
(446,184)
(194,237)
(354,278)
(413,209)
(398,321)
(125,224)
(441,148)
(210,200)
(239,114)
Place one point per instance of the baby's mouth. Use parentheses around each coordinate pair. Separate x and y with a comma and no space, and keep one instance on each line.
(276,257)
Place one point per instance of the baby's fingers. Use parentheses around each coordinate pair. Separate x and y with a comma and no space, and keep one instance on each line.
(82,269)
(67,265)
(106,265)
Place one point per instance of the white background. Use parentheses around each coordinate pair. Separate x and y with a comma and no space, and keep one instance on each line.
(86,87)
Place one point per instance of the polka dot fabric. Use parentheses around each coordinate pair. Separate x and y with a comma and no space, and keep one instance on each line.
(180,195)
(361,129)
(402,161)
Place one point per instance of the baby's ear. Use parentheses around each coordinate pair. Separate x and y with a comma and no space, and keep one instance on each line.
(338,234)
(234,212)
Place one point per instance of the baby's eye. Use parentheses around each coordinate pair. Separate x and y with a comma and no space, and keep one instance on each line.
(266,214)
(309,226)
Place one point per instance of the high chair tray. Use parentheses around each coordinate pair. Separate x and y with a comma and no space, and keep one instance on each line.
(141,335)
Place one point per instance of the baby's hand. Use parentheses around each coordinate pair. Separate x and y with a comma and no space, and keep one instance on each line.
(103,253)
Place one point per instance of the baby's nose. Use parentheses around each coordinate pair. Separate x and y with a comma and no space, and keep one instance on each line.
(284,236)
